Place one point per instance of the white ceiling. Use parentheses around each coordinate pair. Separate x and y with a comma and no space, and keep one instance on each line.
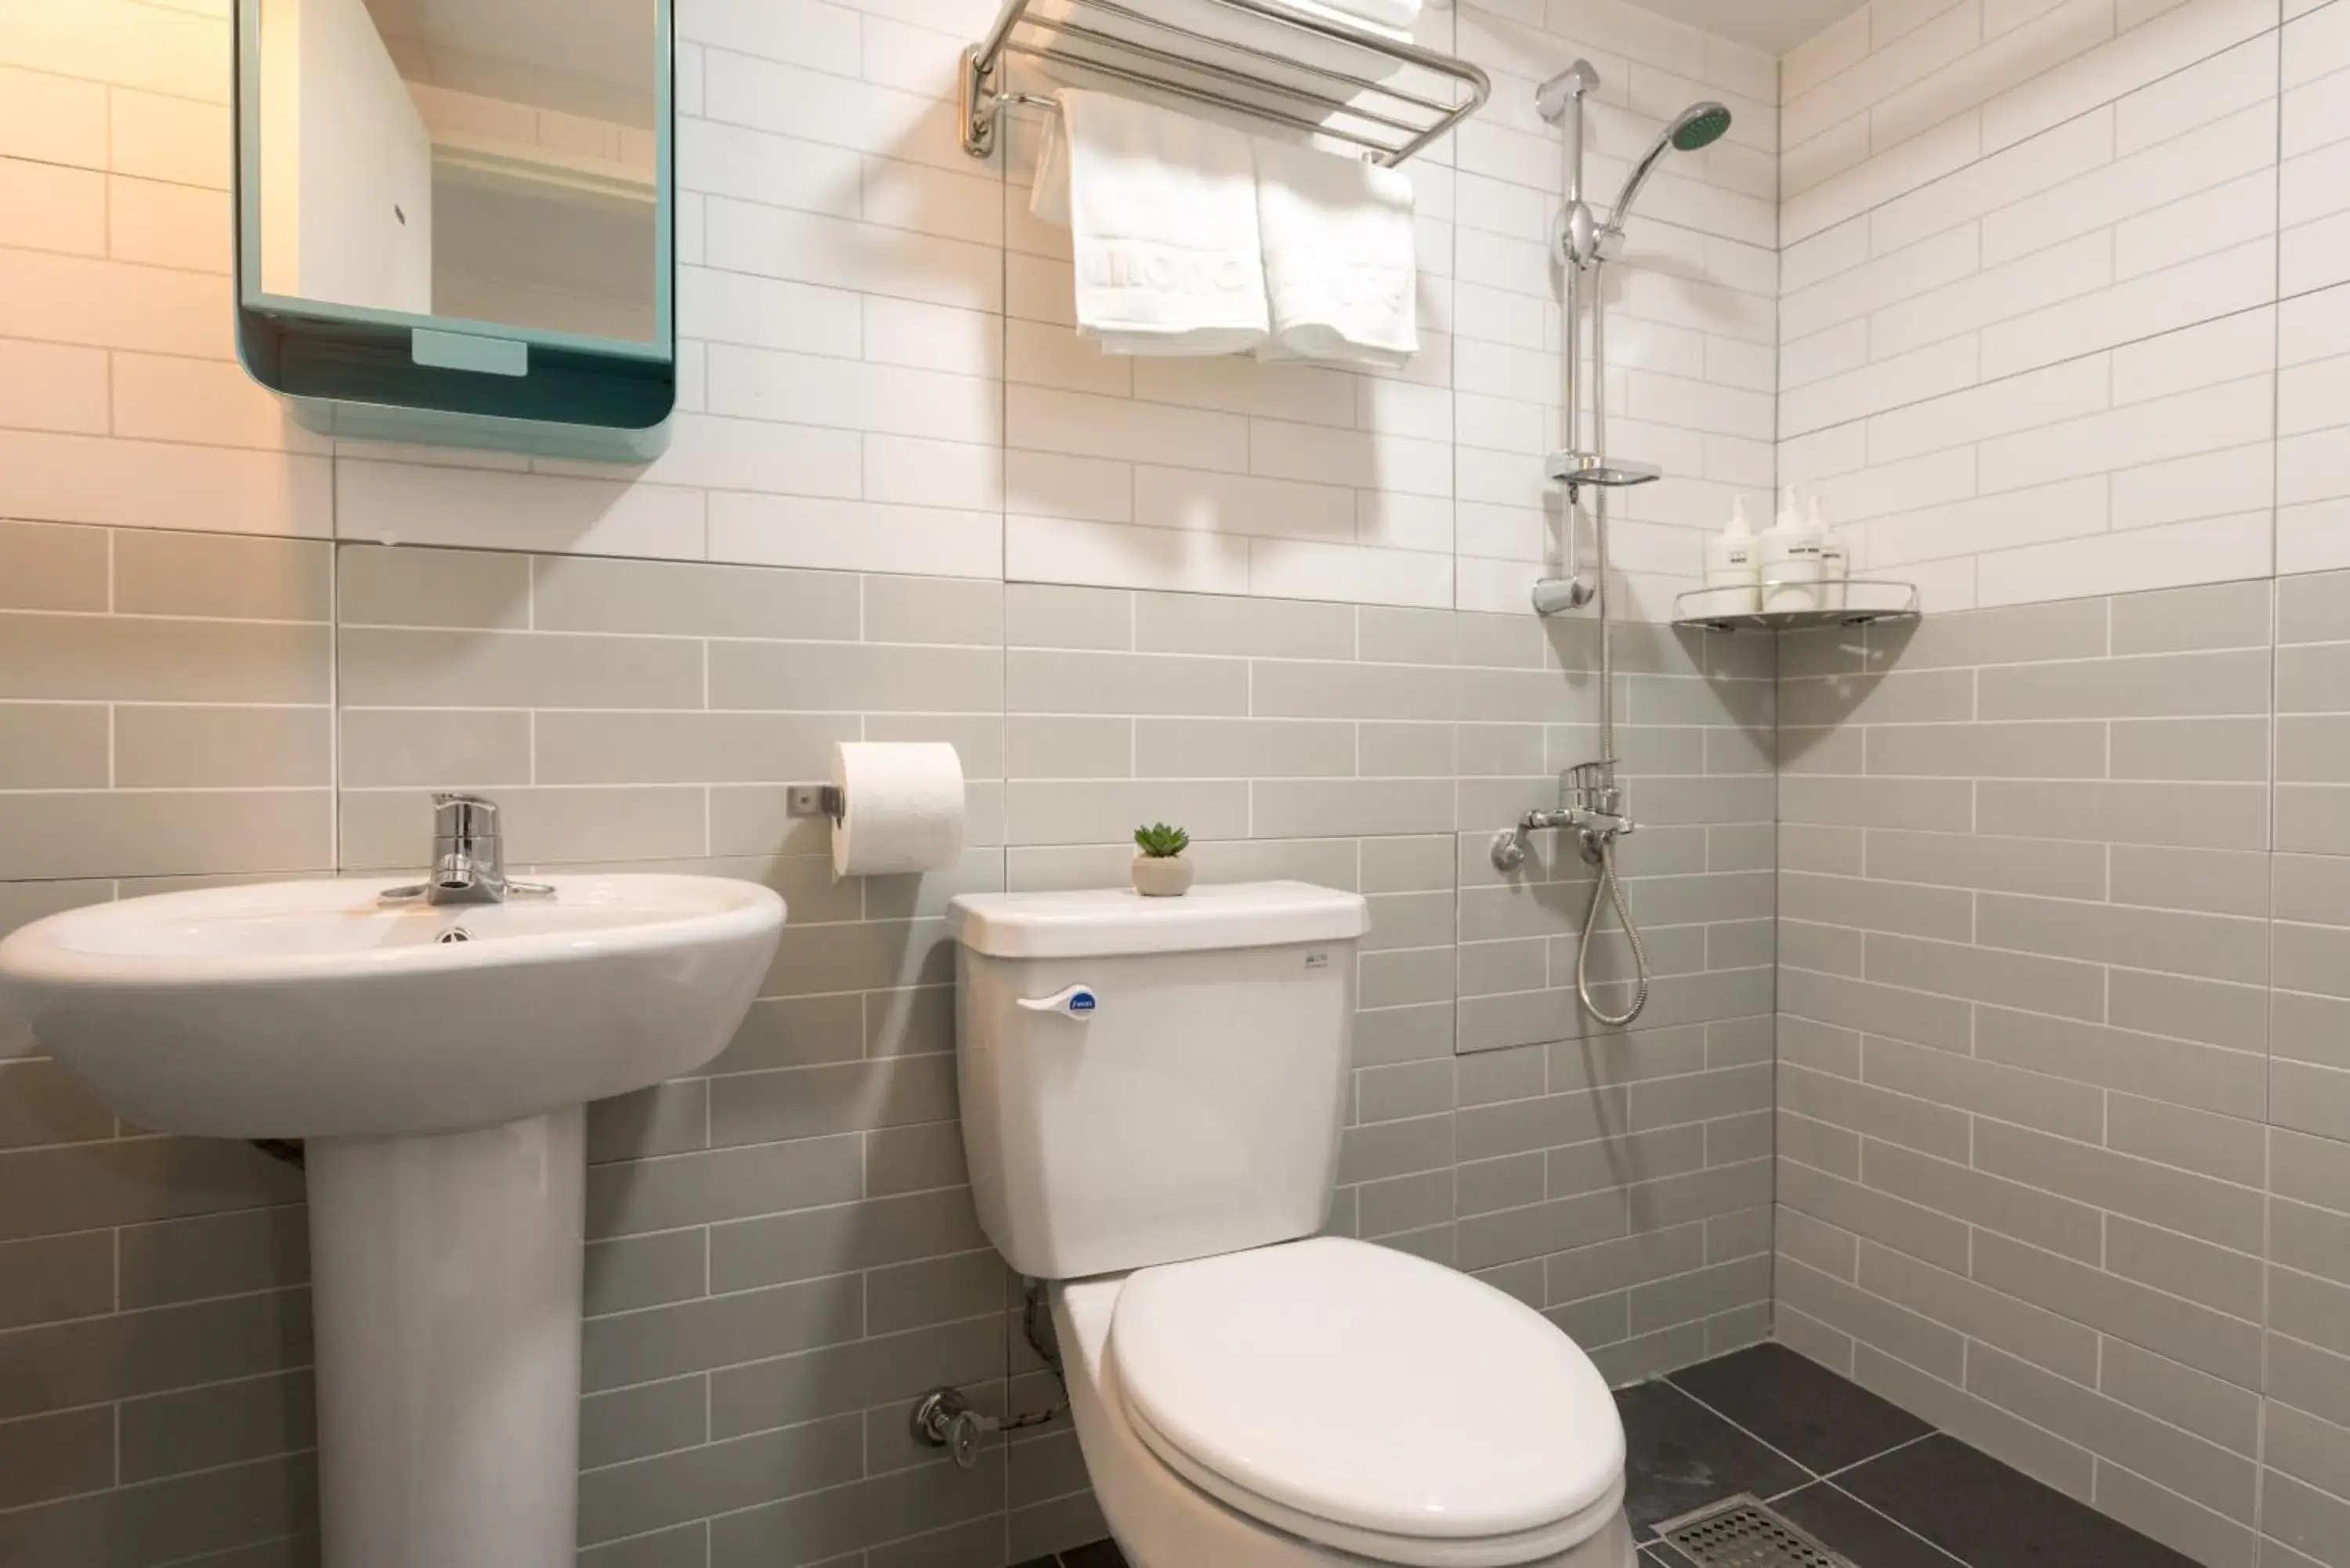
(1773,26)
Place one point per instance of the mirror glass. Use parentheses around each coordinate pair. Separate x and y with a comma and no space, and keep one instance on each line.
(486,160)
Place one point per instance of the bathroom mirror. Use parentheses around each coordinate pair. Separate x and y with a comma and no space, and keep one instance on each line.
(454,218)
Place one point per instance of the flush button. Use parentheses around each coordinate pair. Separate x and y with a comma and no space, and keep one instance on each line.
(1078,1001)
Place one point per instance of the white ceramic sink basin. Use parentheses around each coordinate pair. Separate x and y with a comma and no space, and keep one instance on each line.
(440,1085)
(312,1010)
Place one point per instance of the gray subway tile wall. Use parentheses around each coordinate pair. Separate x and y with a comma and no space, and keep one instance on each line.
(2063,1156)
(1619,1180)
(1207,700)
(782,1248)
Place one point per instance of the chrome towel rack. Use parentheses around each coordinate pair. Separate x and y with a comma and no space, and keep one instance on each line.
(1399,99)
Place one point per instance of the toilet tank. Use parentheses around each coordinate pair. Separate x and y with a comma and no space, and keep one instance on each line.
(1146,1080)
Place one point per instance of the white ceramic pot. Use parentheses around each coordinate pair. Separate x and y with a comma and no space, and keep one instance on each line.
(1162,877)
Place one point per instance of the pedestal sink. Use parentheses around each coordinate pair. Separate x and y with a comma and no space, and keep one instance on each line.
(438,1061)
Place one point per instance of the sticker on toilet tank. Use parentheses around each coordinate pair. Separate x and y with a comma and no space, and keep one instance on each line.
(1082,1001)
(1317,960)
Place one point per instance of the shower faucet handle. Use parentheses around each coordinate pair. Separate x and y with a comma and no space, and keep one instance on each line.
(1590,802)
(1590,799)
(1590,788)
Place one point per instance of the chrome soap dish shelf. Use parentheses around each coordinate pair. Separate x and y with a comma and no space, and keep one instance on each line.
(1861,600)
(1389,98)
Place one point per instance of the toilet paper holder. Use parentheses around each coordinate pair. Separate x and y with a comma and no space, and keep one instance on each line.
(815,800)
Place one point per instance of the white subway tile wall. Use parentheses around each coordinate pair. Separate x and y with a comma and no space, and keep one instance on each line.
(2312,471)
(904,502)
(2051,303)
(1692,330)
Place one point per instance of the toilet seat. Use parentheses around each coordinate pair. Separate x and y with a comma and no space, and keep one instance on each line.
(1369,1401)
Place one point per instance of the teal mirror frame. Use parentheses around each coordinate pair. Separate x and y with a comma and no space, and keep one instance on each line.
(389,375)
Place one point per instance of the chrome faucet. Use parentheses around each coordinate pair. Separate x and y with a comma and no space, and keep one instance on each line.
(469,858)
(1589,801)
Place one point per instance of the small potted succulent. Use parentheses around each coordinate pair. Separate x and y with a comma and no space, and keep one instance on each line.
(1161,869)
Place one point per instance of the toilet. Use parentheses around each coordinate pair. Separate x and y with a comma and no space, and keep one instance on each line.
(1152,1093)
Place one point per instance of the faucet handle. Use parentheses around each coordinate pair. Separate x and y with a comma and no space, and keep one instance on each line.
(1587,786)
(459,816)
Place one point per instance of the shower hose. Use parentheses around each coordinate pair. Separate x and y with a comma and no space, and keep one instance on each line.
(1605,887)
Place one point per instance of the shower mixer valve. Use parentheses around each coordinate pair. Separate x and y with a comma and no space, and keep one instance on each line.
(1590,802)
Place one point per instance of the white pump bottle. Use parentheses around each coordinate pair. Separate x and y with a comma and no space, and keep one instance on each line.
(1836,557)
(1733,566)
(1791,561)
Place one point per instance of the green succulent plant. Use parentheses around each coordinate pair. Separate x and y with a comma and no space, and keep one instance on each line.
(1162,842)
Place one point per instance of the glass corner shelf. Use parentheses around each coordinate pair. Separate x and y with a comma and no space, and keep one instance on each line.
(1856,602)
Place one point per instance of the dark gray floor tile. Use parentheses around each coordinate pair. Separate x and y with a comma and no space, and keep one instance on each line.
(1039,1563)
(1858,1531)
(1800,1408)
(1990,1516)
(1657,1554)
(1099,1554)
(1680,1456)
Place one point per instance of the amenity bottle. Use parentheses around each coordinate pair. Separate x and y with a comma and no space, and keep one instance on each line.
(1733,567)
(1836,557)
(1791,562)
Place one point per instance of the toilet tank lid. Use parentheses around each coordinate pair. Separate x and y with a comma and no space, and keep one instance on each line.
(1102,922)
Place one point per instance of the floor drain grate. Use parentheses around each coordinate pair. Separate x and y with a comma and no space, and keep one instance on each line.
(1743,1533)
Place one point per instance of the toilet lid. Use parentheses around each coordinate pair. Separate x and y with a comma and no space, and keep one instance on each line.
(1353,1384)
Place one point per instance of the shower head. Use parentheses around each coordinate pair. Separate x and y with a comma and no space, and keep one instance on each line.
(1700,125)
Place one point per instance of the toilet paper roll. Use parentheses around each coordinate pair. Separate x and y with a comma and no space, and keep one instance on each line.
(902,807)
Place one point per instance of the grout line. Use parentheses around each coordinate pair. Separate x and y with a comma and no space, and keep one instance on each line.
(1826,1478)
(1910,1443)
(1668,1381)
(1930,1545)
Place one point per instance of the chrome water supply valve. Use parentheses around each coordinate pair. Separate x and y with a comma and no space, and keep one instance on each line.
(943,1418)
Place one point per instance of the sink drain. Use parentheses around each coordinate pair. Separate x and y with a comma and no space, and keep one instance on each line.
(453,934)
(1743,1533)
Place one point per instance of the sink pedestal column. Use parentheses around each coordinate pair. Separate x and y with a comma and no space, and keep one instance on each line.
(446,1287)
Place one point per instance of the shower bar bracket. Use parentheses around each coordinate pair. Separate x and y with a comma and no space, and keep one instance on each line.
(1120,42)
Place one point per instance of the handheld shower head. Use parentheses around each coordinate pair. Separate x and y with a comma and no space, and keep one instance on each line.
(1700,125)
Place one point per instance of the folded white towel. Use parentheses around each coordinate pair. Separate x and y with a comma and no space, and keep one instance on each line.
(1339,257)
(1162,214)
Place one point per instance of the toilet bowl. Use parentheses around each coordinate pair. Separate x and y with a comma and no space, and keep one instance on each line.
(1153,1092)
(1328,1402)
